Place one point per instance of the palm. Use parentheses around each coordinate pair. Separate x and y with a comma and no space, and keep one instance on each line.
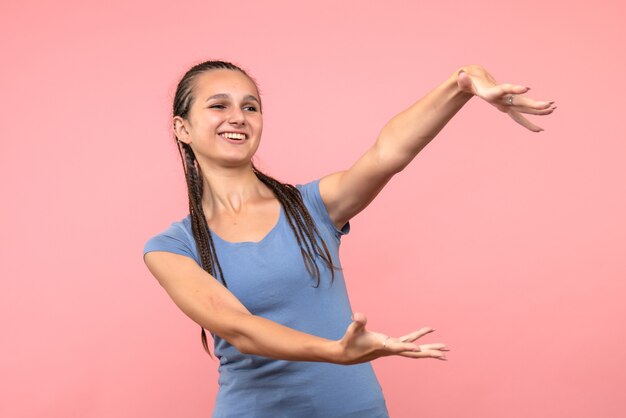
(360,345)
(506,97)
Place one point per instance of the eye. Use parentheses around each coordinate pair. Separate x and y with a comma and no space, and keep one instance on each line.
(250,108)
(217,106)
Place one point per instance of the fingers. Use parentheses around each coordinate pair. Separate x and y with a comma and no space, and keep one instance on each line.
(416,334)
(506,89)
(532,111)
(435,350)
(514,105)
(403,346)
(508,98)
(396,346)
(524,104)
(431,353)
(433,347)
(517,117)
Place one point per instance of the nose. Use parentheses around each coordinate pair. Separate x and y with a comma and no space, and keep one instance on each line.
(236,116)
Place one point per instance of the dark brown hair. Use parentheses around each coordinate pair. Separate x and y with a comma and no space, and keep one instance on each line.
(312,245)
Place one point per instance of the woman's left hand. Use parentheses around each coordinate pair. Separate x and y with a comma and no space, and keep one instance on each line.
(506,97)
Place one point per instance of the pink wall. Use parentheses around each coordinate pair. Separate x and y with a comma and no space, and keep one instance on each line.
(511,244)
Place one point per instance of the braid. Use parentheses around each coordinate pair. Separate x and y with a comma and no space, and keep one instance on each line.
(199,225)
(309,239)
(301,224)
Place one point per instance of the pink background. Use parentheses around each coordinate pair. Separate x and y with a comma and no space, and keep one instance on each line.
(511,244)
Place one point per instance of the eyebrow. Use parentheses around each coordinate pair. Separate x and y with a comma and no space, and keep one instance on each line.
(227,96)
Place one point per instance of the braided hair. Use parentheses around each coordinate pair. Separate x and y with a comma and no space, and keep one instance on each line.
(311,243)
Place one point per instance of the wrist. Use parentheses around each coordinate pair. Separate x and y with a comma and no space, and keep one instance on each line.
(334,352)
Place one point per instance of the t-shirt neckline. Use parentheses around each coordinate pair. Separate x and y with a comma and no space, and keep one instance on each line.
(261,241)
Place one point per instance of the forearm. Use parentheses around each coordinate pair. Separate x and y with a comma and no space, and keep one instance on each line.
(203,299)
(260,336)
(406,134)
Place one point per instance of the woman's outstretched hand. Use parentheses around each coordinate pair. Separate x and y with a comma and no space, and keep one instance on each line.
(359,345)
(506,97)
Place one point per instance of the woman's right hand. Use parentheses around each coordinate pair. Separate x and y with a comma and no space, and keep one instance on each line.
(359,345)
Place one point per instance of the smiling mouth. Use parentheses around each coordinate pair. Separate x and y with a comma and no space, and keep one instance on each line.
(233,135)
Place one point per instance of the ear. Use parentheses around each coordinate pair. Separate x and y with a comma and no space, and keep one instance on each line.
(181,129)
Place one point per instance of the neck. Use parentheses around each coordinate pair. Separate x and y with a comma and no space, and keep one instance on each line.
(228,190)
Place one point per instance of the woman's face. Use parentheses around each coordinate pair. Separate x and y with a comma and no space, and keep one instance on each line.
(224,124)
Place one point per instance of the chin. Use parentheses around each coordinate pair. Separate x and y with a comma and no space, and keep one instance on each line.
(236,162)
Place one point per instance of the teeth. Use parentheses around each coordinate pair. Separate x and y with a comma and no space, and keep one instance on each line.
(233,135)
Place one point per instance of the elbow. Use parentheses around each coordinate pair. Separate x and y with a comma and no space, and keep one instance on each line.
(398,143)
(389,156)
(244,347)
(236,336)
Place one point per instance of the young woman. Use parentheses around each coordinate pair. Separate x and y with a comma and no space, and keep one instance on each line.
(256,261)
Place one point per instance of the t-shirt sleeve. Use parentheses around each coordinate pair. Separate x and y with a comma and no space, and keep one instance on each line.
(174,239)
(313,201)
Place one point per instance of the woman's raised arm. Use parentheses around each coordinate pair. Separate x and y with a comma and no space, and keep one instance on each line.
(346,193)
(203,299)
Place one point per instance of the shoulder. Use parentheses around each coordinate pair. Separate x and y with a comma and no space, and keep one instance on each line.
(312,199)
(177,238)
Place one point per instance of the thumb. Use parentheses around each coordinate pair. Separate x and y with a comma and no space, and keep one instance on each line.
(358,323)
(465,82)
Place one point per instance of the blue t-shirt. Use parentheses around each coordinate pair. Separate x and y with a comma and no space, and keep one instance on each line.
(270,279)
